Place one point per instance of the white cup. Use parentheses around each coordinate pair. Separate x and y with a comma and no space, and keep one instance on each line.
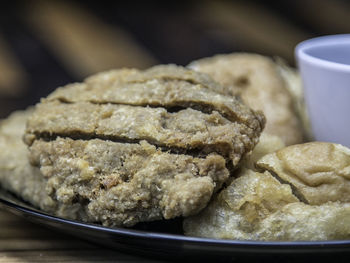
(324,64)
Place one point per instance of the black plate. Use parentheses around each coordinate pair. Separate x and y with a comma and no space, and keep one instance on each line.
(151,238)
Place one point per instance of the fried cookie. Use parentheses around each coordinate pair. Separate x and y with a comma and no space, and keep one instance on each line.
(299,194)
(123,183)
(318,171)
(260,84)
(16,173)
(129,146)
(164,110)
(267,144)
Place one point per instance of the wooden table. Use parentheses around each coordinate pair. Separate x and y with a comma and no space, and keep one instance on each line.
(23,241)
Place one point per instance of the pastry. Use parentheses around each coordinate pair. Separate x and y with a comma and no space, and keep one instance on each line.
(300,193)
(129,146)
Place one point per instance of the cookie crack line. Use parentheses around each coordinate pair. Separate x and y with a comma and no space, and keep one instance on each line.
(166,86)
(189,81)
(172,72)
(194,152)
(188,129)
(295,190)
(174,107)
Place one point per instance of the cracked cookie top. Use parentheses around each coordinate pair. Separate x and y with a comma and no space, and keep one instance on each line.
(168,106)
(128,146)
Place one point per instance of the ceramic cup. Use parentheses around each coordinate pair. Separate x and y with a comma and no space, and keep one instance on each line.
(324,64)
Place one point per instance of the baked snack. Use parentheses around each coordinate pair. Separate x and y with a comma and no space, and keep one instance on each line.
(300,193)
(267,144)
(128,146)
(319,172)
(16,173)
(262,84)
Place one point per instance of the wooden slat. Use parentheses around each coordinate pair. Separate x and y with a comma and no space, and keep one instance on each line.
(70,256)
(12,74)
(16,222)
(25,233)
(21,244)
(251,27)
(5,214)
(7,217)
(23,241)
(83,43)
(11,219)
(16,227)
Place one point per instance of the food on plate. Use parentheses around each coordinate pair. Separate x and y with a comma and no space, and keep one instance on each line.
(128,146)
(318,171)
(263,85)
(300,193)
(167,110)
(267,144)
(16,173)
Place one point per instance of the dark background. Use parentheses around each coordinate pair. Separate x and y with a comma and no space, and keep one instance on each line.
(45,44)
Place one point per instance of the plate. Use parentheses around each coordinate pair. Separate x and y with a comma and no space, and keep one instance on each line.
(164,238)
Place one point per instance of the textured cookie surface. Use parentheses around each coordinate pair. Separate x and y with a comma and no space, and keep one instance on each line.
(16,173)
(260,84)
(121,183)
(127,146)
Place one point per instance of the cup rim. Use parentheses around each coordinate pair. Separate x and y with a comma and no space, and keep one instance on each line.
(302,47)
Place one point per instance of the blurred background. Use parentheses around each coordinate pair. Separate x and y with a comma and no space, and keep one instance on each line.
(46,44)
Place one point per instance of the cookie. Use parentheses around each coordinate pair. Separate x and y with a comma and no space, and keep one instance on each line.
(16,173)
(129,146)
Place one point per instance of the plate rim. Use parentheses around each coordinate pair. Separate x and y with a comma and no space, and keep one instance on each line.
(134,233)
